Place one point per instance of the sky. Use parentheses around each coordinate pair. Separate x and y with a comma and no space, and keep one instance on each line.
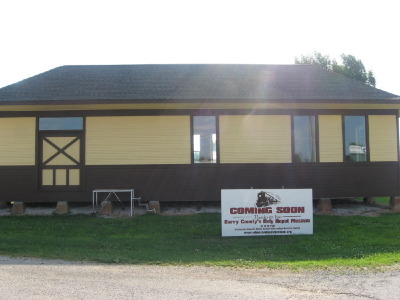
(40,35)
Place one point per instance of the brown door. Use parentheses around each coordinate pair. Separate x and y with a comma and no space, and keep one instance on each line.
(60,160)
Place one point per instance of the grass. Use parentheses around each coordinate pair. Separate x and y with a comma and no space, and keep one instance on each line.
(380,200)
(196,240)
(383,200)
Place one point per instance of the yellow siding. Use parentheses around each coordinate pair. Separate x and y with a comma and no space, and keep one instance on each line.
(330,138)
(138,140)
(382,138)
(255,139)
(74,177)
(61,177)
(17,141)
(47,177)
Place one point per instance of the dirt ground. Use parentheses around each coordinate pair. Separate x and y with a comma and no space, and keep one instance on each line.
(30,278)
(27,278)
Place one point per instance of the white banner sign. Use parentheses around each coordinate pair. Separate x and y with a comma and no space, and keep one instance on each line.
(357,149)
(266,212)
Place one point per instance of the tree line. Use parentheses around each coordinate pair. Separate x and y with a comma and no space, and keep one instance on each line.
(350,66)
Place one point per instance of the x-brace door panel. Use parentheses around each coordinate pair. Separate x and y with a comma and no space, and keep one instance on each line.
(60,160)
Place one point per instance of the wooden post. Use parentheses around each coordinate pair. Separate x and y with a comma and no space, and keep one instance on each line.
(324,206)
(394,203)
(18,208)
(62,207)
(369,200)
(155,206)
(106,208)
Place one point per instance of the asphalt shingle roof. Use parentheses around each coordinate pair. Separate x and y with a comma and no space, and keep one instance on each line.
(165,83)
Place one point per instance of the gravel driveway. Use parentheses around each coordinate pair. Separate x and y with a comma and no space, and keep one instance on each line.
(26,278)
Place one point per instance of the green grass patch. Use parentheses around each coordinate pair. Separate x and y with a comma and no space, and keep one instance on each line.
(354,241)
(380,200)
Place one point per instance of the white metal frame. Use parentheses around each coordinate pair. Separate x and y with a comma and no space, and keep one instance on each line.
(111,192)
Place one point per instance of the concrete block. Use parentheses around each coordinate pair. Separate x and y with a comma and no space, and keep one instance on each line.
(369,200)
(106,208)
(324,206)
(155,206)
(62,207)
(394,203)
(18,208)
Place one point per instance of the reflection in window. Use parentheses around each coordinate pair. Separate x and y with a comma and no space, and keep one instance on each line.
(304,139)
(204,139)
(74,123)
(355,140)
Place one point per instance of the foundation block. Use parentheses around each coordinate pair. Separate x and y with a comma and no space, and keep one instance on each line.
(106,208)
(394,203)
(18,208)
(369,200)
(155,206)
(62,208)
(324,206)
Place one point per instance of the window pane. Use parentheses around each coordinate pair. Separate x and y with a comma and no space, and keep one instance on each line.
(75,123)
(355,141)
(304,139)
(204,139)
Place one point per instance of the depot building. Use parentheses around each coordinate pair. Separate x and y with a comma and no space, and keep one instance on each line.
(184,132)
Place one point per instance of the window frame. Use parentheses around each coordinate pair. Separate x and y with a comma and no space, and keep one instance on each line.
(217,161)
(58,129)
(316,120)
(366,124)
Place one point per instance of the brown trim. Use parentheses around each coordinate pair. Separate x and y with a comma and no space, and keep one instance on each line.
(203,182)
(38,177)
(201,106)
(191,140)
(83,156)
(344,139)
(189,183)
(203,112)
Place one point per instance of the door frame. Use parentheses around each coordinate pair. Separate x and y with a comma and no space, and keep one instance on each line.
(41,166)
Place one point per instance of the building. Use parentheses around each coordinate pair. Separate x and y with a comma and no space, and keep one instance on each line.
(184,132)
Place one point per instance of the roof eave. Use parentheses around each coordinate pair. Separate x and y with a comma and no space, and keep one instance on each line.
(148,101)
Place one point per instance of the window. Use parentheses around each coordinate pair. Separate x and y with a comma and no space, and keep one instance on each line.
(204,139)
(304,139)
(355,138)
(74,123)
